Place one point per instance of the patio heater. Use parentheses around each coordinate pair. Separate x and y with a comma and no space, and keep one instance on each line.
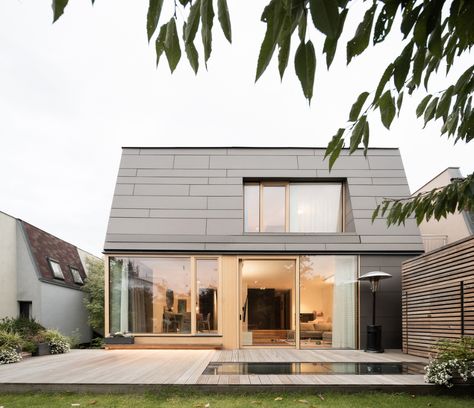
(374,332)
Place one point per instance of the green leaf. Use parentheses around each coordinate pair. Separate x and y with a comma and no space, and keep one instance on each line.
(357,106)
(422,105)
(375,213)
(160,42)
(434,44)
(463,79)
(58,7)
(432,66)
(365,137)
(172,48)
(283,55)
(274,15)
(444,103)
(305,67)
(334,147)
(325,16)
(399,102)
(192,54)
(402,66)
(207,18)
(192,24)
(420,32)
(330,44)
(302,27)
(153,16)
(387,109)
(384,22)
(418,65)
(357,134)
(430,110)
(409,19)
(383,81)
(361,39)
(224,19)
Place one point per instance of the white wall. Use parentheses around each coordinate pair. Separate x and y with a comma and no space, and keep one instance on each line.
(446,230)
(84,255)
(27,287)
(63,309)
(8,299)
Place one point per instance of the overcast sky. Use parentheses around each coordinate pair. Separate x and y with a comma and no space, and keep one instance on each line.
(73,93)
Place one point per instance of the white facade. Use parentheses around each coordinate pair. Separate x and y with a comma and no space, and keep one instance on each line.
(8,277)
(454,227)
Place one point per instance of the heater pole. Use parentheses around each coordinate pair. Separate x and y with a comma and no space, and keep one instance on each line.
(373,308)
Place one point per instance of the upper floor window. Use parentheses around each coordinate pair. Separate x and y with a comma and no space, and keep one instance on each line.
(293,207)
(76,275)
(56,268)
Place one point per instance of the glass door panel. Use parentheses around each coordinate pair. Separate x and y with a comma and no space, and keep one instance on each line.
(328,301)
(267,295)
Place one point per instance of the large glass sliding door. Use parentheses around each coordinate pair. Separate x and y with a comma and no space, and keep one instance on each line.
(328,301)
(267,298)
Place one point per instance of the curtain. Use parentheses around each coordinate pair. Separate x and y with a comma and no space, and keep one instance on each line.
(124,298)
(315,207)
(344,303)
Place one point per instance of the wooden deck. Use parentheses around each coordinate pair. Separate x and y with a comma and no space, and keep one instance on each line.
(89,369)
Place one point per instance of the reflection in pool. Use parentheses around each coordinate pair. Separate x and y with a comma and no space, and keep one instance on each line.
(216,368)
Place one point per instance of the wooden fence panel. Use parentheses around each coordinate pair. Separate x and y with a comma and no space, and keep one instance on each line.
(438,297)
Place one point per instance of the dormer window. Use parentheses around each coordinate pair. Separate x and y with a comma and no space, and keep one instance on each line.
(76,275)
(56,268)
(293,207)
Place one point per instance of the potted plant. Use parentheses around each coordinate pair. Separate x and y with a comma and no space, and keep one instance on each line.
(41,344)
(119,338)
(453,362)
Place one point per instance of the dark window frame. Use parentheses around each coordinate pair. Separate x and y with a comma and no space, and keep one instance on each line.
(75,268)
(50,263)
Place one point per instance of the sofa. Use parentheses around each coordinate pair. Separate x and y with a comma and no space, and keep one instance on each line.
(316,331)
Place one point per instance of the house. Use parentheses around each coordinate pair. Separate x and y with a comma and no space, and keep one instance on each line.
(454,227)
(243,247)
(41,277)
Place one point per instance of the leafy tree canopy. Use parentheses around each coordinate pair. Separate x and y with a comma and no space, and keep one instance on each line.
(435,32)
(94,299)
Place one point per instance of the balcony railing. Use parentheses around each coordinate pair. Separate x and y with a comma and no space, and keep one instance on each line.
(431,242)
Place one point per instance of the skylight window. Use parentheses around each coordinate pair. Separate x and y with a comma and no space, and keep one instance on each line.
(76,275)
(56,268)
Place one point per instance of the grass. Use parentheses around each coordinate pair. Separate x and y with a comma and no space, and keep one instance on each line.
(200,400)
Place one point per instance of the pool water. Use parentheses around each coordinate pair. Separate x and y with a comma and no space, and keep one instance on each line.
(216,368)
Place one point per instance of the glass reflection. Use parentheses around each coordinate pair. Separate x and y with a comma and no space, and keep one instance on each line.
(150,295)
(274,198)
(207,275)
(252,207)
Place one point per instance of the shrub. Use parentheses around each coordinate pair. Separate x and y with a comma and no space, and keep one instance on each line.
(58,343)
(10,340)
(454,358)
(97,343)
(9,355)
(26,328)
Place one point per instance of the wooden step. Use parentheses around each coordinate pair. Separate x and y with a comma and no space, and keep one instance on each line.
(163,346)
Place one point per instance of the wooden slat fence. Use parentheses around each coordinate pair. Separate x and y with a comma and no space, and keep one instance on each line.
(438,297)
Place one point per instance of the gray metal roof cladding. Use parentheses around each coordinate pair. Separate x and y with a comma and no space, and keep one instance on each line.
(191,199)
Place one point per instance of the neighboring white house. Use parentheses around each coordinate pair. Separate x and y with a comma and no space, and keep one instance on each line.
(41,277)
(436,234)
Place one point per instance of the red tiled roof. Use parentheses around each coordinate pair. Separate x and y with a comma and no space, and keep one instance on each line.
(44,246)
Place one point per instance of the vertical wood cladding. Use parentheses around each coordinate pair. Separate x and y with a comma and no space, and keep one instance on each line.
(438,297)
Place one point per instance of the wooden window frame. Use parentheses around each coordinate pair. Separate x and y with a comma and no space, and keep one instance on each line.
(287,185)
(193,298)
